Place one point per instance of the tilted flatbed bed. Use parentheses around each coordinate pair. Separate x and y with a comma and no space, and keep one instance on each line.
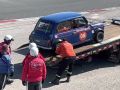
(112,36)
(111,42)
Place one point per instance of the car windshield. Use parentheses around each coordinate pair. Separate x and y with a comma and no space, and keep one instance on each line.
(43,26)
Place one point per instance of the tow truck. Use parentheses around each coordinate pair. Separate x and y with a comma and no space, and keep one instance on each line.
(108,48)
(107,42)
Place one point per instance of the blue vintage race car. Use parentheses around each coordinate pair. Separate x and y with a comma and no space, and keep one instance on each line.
(71,26)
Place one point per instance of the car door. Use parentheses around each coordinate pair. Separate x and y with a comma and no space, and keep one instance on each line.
(81,30)
(64,31)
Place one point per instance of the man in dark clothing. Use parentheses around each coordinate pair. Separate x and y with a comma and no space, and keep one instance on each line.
(67,54)
(6,68)
(34,70)
(7,41)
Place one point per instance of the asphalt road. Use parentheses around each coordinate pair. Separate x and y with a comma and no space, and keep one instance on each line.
(13,9)
(98,75)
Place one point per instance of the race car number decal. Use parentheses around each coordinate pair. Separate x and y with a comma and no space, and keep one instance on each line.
(83,36)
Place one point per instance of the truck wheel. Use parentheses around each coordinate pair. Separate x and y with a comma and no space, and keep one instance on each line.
(115,54)
(118,55)
(99,36)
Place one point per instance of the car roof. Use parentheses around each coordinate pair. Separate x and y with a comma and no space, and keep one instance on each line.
(61,16)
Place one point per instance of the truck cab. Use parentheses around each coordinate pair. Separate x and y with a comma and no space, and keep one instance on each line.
(71,26)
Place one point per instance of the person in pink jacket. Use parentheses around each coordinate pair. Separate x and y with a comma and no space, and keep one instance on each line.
(34,70)
(6,43)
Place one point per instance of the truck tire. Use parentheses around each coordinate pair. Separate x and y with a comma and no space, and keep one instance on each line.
(99,36)
(115,55)
(118,56)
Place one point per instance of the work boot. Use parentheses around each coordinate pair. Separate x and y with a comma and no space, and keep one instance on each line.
(68,79)
(55,81)
(8,81)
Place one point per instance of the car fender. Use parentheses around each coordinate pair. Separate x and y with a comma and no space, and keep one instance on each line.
(98,27)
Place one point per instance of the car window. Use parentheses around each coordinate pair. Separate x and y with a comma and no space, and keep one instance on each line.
(43,26)
(64,26)
(79,22)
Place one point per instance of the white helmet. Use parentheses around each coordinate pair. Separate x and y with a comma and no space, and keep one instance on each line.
(32,45)
(8,37)
(34,51)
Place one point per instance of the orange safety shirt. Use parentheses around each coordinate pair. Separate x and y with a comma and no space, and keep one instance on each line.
(65,49)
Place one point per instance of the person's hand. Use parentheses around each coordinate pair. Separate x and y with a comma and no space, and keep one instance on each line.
(24,83)
(59,57)
(11,74)
(77,58)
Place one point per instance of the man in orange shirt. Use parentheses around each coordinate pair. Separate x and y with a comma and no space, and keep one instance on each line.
(68,56)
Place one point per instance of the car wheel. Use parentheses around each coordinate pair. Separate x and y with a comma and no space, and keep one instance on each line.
(99,37)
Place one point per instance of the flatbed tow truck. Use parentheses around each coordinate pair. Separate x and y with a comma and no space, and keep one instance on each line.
(109,47)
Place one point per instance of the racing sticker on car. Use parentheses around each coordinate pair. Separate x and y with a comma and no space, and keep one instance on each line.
(83,36)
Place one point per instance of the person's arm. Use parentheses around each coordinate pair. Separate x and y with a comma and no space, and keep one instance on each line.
(25,59)
(7,60)
(11,69)
(44,72)
(25,70)
(10,51)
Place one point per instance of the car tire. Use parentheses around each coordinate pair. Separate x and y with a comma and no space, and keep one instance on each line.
(99,36)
